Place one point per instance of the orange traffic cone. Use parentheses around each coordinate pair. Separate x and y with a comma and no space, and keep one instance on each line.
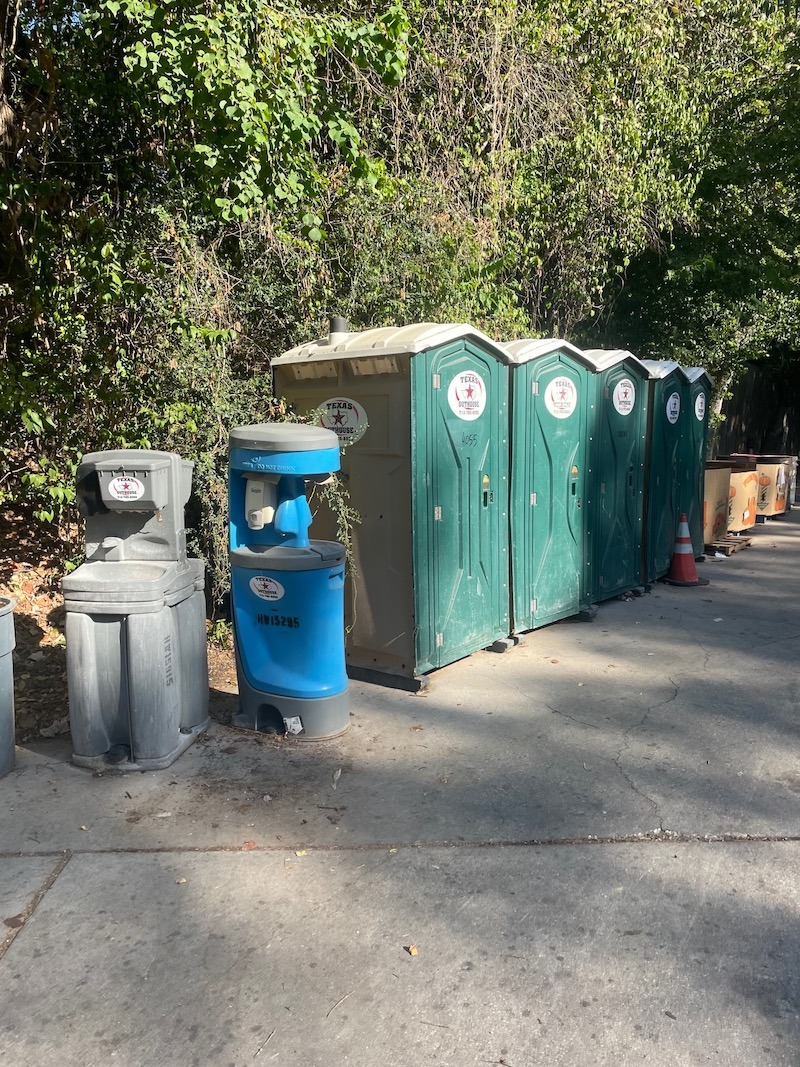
(682,570)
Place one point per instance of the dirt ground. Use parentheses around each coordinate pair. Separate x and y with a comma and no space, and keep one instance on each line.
(30,572)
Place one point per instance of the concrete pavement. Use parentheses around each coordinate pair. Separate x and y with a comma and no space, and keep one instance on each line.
(593,841)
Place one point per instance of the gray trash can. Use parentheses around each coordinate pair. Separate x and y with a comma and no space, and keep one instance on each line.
(6,685)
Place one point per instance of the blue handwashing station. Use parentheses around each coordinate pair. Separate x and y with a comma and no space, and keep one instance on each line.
(287,591)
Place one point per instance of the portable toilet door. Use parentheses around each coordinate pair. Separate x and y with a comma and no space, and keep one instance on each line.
(616,471)
(667,420)
(552,394)
(421,411)
(694,444)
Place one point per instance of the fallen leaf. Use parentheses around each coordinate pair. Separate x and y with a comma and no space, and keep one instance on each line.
(15,922)
(56,728)
(180,881)
(412,950)
(248,845)
(416,729)
(84,827)
(301,852)
(392,851)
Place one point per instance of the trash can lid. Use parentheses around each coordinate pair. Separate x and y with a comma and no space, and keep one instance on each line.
(318,555)
(283,437)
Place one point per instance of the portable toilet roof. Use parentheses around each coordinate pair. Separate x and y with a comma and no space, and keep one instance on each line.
(661,368)
(528,348)
(605,358)
(695,373)
(387,341)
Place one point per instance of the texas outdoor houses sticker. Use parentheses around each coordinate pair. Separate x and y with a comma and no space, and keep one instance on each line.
(125,488)
(346,417)
(673,407)
(466,396)
(267,588)
(624,396)
(561,397)
(700,407)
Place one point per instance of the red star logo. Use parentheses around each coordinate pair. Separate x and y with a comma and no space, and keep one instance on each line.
(470,391)
(563,394)
(338,418)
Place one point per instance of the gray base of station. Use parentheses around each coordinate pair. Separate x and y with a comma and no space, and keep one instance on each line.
(118,758)
(316,719)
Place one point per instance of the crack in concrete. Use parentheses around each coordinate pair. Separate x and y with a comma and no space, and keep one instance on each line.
(38,896)
(572,718)
(625,745)
(660,835)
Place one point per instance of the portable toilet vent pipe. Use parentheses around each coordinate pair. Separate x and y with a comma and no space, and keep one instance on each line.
(287,591)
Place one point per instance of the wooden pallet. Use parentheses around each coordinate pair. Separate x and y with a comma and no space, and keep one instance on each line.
(728,545)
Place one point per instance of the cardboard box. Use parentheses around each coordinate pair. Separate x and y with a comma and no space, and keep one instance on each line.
(776,477)
(743,497)
(772,483)
(716,496)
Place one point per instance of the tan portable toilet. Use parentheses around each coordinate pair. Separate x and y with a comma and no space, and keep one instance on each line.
(421,415)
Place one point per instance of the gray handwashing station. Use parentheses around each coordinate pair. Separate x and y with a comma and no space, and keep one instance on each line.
(137,668)
(6,685)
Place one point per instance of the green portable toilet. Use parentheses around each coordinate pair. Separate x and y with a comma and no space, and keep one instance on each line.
(616,472)
(421,413)
(694,442)
(667,423)
(552,390)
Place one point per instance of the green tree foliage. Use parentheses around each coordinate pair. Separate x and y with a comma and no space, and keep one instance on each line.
(573,134)
(188,187)
(722,290)
(136,138)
